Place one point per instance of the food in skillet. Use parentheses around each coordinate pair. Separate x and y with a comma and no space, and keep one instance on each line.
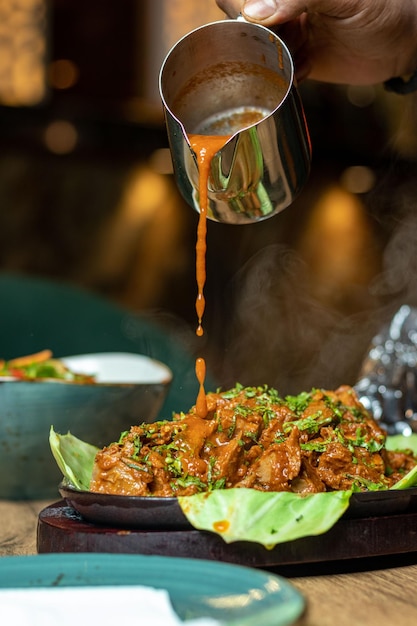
(41,366)
(258,468)
(252,438)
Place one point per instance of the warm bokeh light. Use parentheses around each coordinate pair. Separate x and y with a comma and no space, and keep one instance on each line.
(166,23)
(143,241)
(358,179)
(23,51)
(160,161)
(61,137)
(181,16)
(63,74)
(361,95)
(338,243)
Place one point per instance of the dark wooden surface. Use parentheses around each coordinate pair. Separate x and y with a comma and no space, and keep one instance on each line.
(62,529)
(377,591)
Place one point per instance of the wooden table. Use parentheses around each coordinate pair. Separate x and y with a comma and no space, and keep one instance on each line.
(381,592)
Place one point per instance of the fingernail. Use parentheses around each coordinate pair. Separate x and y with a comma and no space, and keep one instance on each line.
(259,9)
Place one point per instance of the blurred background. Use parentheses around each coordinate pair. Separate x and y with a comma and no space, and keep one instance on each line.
(87,198)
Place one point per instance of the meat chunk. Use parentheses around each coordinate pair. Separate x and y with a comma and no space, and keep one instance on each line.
(251,437)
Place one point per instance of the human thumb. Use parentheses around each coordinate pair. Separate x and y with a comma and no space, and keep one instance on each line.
(259,10)
(274,11)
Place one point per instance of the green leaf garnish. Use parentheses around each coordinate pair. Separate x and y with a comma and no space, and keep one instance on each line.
(74,457)
(264,517)
(404,442)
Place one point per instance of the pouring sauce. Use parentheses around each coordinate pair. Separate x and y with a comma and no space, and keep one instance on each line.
(201,403)
(204,147)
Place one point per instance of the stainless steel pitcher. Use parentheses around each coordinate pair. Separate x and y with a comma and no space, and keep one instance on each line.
(237,79)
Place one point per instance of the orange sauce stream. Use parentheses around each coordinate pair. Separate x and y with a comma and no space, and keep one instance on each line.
(204,147)
(201,403)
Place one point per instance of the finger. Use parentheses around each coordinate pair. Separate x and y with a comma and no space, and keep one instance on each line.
(294,34)
(232,8)
(279,11)
(272,11)
(302,64)
(302,70)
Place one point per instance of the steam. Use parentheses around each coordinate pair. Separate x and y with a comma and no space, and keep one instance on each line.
(283,330)
(398,281)
(283,336)
(277,327)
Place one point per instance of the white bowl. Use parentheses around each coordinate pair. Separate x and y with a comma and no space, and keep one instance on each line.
(120,368)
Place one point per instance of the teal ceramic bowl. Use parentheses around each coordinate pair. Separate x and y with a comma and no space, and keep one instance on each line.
(129,389)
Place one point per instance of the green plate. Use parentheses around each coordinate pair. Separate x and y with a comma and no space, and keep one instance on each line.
(231,594)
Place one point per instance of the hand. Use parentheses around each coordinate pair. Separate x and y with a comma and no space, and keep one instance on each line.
(357,42)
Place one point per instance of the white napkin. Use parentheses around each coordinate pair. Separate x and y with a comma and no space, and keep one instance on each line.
(84,606)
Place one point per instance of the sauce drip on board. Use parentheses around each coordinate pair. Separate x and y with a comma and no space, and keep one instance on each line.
(204,147)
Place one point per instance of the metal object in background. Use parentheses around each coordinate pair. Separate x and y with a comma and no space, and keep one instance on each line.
(236,78)
(387,383)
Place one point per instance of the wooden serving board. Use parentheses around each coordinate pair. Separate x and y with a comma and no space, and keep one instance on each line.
(62,529)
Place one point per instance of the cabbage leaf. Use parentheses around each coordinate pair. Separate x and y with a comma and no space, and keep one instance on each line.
(264,517)
(404,442)
(74,457)
(239,514)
